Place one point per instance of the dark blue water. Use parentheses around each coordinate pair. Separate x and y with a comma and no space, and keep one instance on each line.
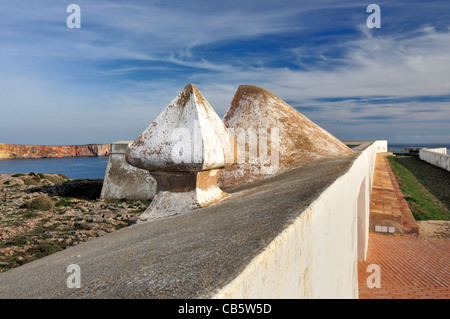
(72,167)
(95,167)
(399,148)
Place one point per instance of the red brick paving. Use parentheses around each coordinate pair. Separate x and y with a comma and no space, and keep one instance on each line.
(386,197)
(407,216)
(410,268)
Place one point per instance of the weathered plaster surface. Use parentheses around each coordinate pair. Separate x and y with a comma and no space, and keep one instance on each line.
(123,181)
(298,140)
(316,257)
(182,192)
(436,156)
(183,148)
(187,136)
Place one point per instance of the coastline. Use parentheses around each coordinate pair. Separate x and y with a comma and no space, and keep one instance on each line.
(23,151)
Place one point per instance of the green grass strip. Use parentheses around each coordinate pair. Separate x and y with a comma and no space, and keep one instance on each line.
(423,205)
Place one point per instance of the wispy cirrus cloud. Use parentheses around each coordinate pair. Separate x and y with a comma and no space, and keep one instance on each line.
(127,62)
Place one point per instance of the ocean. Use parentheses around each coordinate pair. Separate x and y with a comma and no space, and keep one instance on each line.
(399,148)
(72,167)
(95,167)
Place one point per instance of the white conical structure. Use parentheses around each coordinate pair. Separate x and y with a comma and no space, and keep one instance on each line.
(184,148)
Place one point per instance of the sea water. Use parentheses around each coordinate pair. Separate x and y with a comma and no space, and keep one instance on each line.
(72,167)
(399,148)
(95,167)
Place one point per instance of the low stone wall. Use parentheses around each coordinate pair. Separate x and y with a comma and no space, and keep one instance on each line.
(436,156)
(316,257)
(123,181)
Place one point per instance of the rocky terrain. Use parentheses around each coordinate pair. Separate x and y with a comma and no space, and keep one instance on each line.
(434,229)
(13,151)
(41,214)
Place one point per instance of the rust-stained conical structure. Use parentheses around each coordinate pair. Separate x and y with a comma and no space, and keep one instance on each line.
(272,136)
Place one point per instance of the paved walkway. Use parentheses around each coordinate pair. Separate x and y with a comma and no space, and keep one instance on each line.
(410,267)
(387,199)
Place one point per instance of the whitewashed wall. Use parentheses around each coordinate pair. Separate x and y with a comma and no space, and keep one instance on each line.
(316,257)
(436,156)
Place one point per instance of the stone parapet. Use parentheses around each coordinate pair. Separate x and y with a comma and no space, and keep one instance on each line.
(123,181)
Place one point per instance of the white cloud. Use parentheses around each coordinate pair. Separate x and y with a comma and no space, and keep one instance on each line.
(37,42)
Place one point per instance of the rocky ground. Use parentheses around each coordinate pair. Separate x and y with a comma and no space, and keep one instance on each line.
(42,214)
(434,229)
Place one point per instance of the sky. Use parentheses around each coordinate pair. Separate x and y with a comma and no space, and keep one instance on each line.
(108,80)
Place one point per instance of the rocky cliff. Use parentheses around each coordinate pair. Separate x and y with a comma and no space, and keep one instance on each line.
(14,151)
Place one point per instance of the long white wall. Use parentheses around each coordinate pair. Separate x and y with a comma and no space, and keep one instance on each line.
(316,256)
(436,156)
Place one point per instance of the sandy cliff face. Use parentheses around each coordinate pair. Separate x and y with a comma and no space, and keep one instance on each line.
(14,151)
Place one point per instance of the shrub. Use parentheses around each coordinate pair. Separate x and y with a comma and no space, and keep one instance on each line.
(66,201)
(36,180)
(30,214)
(29,181)
(55,179)
(18,175)
(40,203)
(44,249)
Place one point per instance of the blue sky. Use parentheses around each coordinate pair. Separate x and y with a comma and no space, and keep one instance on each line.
(109,79)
